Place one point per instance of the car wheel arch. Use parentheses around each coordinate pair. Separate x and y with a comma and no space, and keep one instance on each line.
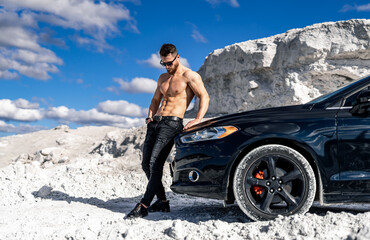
(230,198)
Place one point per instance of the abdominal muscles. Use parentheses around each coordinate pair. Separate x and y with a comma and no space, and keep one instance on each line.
(173,106)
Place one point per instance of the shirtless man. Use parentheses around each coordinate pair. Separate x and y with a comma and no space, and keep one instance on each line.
(175,90)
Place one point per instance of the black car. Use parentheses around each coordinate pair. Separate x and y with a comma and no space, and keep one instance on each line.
(277,161)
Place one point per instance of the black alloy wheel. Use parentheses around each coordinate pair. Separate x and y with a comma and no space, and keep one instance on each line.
(274,180)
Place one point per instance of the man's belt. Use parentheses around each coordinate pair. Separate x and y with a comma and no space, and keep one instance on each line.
(160,118)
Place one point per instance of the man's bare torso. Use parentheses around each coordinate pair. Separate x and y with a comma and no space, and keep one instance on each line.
(177,94)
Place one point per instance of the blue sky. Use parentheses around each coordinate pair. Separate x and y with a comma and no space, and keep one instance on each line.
(84,62)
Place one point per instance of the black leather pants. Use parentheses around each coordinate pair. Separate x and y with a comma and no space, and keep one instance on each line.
(158,144)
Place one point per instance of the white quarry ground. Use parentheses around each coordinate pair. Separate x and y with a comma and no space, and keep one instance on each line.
(64,191)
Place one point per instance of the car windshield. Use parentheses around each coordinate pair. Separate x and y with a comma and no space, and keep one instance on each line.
(329,95)
(324,97)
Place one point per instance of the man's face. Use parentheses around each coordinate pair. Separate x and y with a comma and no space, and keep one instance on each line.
(171,58)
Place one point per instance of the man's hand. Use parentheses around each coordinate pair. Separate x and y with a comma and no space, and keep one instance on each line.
(192,123)
(148,120)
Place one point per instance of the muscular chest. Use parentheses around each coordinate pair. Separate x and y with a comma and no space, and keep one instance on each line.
(173,86)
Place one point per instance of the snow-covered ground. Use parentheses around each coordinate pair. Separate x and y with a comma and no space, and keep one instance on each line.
(66,184)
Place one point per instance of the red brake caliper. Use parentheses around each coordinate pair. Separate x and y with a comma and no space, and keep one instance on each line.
(258,190)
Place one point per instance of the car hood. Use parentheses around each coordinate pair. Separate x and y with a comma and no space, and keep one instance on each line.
(254,115)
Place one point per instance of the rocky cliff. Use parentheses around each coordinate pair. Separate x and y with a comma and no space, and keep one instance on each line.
(289,68)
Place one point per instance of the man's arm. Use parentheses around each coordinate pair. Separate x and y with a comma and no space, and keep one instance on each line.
(196,84)
(154,104)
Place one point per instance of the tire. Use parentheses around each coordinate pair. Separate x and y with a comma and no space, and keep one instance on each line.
(274,180)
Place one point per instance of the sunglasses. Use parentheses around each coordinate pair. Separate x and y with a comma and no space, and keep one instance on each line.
(168,63)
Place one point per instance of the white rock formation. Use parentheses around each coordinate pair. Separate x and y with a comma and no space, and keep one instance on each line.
(51,146)
(118,143)
(289,68)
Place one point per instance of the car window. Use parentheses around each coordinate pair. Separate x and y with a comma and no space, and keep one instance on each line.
(337,104)
(351,100)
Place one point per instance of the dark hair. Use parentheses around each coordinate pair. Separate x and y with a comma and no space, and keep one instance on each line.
(166,49)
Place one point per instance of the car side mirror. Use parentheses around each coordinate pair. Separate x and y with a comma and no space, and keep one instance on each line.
(362,105)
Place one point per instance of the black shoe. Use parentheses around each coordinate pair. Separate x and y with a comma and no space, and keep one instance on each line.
(160,206)
(138,211)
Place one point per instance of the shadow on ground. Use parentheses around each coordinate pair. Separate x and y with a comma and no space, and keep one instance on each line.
(191,209)
(187,208)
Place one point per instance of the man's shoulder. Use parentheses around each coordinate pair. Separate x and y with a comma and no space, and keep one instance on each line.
(190,74)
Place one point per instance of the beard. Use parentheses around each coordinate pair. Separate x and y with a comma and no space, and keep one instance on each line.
(173,70)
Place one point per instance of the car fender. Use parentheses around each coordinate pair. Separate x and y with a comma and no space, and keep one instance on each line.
(286,140)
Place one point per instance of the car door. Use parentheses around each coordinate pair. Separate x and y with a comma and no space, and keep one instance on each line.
(353,133)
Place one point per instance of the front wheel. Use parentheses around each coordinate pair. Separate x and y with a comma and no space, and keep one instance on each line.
(274,180)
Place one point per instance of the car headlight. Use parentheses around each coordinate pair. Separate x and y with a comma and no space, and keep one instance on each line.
(208,134)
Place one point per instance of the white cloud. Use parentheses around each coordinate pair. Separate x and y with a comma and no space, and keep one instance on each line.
(233,3)
(358,8)
(137,85)
(21,128)
(197,36)
(96,18)
(113,113)
(154,61)
(92,116)
(42,100)
(29,63)
(20,39)
(122,108)
(8,75)
(184,62)
(99,45)
(44,56)
(24,104)
(16,36)
(19,110)
(363,8)
(20,51)
(4,127)
(113,89)
(136,2)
